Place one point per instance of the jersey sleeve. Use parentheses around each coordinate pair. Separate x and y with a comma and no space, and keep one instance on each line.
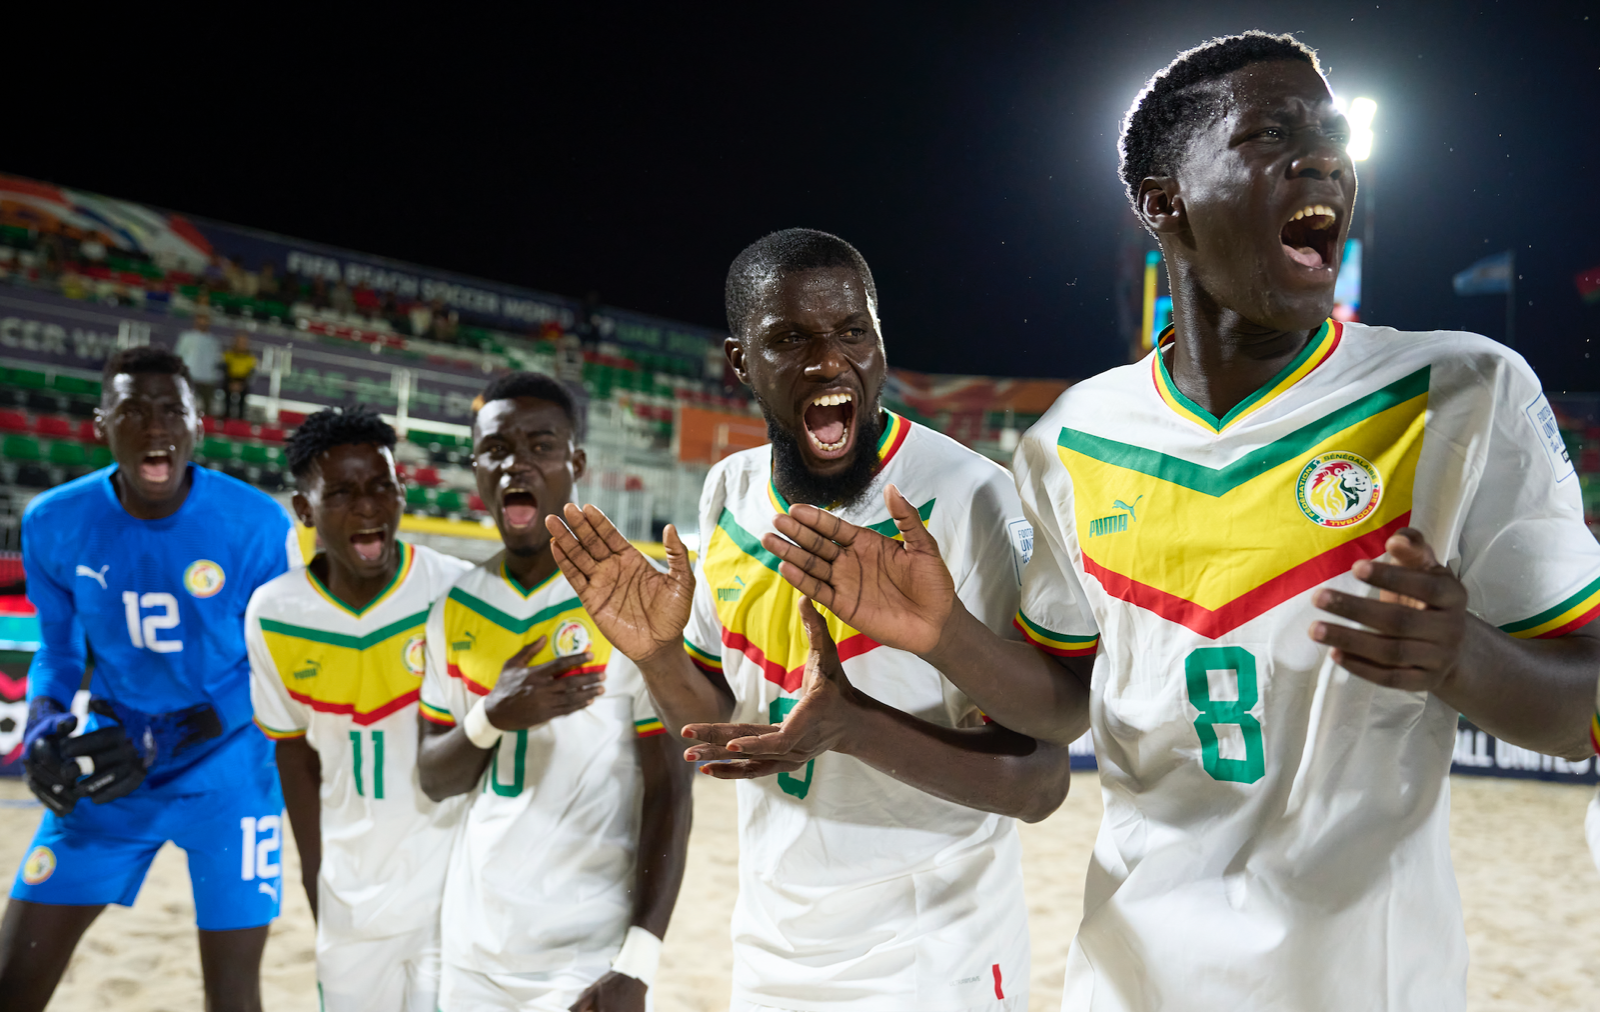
(443,699)
(59,663)
(982,555)
(1054,614)
(1528,560)
(702,637)
(278,714)
(622,675)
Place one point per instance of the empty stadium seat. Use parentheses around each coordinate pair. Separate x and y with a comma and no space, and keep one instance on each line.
(74,385)
(86,433)
(28,379)
(51,425)
(449,500)
(428,476)
(237,427)
(69,454)
(272,433)
(216,449)
(32,475)
(475,503)
(418,497)
(261,456)
(21,448)
(100,456)
(13,421)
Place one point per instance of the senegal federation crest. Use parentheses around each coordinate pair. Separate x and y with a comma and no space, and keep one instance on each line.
(413,656)
(204,578)
(572,637)
(1338,489)
(40,865)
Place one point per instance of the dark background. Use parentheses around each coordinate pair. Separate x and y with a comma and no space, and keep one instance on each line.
(967,150)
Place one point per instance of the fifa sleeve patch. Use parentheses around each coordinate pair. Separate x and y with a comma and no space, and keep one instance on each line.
(435,715)
(704,660)
(1057,644)
(1543,420)
(648,728)
(277,735)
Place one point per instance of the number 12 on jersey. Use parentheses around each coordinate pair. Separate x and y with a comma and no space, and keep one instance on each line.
(1214,712)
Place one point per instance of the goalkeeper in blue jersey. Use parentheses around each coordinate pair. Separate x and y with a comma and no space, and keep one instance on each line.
(145,567)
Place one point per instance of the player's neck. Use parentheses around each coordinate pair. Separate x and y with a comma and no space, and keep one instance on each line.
(141,508)
(352,589)
(532,569)
(1217,357)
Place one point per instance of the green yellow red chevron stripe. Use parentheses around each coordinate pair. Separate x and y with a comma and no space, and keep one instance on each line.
(1316,352)
(1594,731)
(366,677)
(703,658)
(435,715)
(1578,609)
(1059,644)
(480,638)
(1213,548)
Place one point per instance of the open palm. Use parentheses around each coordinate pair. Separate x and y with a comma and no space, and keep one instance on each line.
(898,593)
(640,609)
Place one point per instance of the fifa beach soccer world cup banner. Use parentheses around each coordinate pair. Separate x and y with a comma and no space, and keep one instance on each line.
(182,242)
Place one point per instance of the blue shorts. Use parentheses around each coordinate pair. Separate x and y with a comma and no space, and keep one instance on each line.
(233,838)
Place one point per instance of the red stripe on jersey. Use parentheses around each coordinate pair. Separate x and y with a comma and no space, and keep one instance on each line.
(392,706)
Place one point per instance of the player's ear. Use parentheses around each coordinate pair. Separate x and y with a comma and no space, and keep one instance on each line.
(1160,205)
(580,463)
(302,509)
(734,349)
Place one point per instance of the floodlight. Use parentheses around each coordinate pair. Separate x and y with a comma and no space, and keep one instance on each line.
(1361,114)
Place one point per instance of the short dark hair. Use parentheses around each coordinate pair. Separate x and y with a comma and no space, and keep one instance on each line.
(531,384)
(779,253)
(332,427)
(1169,108)
(144,358)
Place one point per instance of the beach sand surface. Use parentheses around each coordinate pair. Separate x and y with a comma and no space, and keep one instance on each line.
(1530,892)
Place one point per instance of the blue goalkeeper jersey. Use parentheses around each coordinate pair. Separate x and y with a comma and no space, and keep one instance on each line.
(159,603)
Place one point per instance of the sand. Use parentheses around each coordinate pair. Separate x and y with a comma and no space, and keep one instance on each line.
(1531,894)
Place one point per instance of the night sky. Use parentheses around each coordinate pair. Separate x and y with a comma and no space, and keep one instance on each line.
(968,151)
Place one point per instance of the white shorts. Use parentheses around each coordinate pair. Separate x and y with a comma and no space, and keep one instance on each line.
(549,991)
(1016,1004)
(381,974)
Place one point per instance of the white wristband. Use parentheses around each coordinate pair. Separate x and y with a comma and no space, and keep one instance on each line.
(479,731)
(640,956)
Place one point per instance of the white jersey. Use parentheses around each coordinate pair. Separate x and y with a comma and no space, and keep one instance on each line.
(1276,828)
(542,876)
(348,682)
(856,891)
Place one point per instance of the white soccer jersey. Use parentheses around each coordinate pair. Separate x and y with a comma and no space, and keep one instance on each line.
(856,891)
(1276,828)
(348,682)
(542,876)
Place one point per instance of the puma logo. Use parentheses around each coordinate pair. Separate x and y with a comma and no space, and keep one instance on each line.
(98,577)
(269,889)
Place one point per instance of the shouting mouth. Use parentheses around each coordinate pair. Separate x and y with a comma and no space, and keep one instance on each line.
(519,507)
(368,543)
(1308,237)
(829,421)
(155,468)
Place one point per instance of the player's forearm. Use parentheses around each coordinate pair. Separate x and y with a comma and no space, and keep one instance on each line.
(1017,685)
(1539,694)
(992,769)
(448,763)
(300,773)
(665,817)
(684,694)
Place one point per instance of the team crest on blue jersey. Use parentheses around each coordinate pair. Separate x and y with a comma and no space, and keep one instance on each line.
(204,578)
(572,637)
(40,865)
(1338,489)
(413,654)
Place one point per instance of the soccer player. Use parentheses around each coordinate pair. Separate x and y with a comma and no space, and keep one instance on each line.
(1277,809)
(564,876)
(884,875)
(147,566)
(336,660)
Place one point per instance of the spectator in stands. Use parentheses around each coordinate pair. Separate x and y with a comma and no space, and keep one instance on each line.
(421,318)
(444,322)
(267,285)
(238,366)
(202,353)
(215,275)
(366,300)
(341,299)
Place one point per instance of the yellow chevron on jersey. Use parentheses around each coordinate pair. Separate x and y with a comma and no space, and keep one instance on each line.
(1213,548)
(480,637)
(757,607)
(367,677)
